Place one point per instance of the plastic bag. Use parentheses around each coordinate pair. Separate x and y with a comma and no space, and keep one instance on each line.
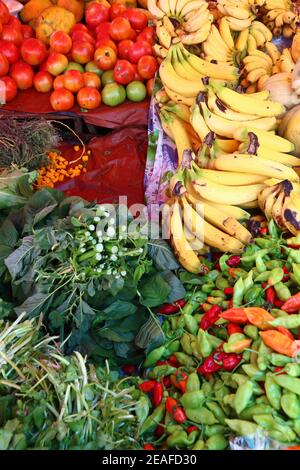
(259,441)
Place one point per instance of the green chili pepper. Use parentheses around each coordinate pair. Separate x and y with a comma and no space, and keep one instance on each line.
(208,287)
(258,409)
(177,439)
(241,427)
(184,359)
(173,428)
(254,372)
(263,356)
(246,355)
(254,296)
(254,352)
(289,322)
(290,405)
(229,400)
(222,282)
(248,281)
(194,303)
(217,293)
(212,275)
(297,427)
(173,347)
(214,340)
(207,388)
(201,415)
(215,300)
(239,378)
(251,331)
(217,411)
(191,324)
(166,327)
(292,369)
(142,408)
(264,242)
(238,293)
(272,228)
(161,371)
(221,392)
(203,343)
(200,444)
(276,312)
(214,429)
(154,356)
(243,396)
(193,399)
(296,273)
(279,360)
(274,263)
(289,383)
(173,321)
(293,256)
(193,383)
(216,442)
(273,391)
(263,277)
(260,265)
(269,423)
(282,291)
(275,276)
(186,343)
(223,263)
(235,337)
(253,256)
(153,420)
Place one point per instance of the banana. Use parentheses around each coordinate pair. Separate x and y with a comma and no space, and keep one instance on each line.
(219,40)
(251,43)
(291,213)
(255,64)
(169,26)
(179,132)
(261,82)
(211,70)
(198,36)
(160,51)
(154,9)
(166,127)
(187,257)
(218,107)
(259,37)
(262,95)
(176,83)
(259,26)
(190,71)
(197,20)
(284,158)
(279,19)
(262,55)
(231,178)
(180,5)
(194,5)
(237,11)
(241,42)
(239,25)
(255,75)
(273,52)
(266,139)
(266,200)
(225,33)
(273,181)
(277,209)
(183,69)
(177,98)
(198,123)
(172,7)
(164,37)
(240,102)
(215,51)
(212,236)
(286,63)
(245,163)
(164,6)
(181,110)
(272,15)
(231,211)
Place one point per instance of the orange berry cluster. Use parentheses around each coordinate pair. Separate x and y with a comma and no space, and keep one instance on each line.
(60,169)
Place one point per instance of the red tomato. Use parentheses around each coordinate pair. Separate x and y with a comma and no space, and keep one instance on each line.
(102,31)
(82,36)
(4,13)
(22,74)
(33,51)
(138,50)
(1,27)
(123,72)
(95,14)
(58,82)
(88,98)
(4,65)
(106,42)
(79,27)
(150,85)
(60,42)
(120,29)
(137,18)
(123,48)
(73,80)
(43,66)
(43,81)
(56,63)
(105,58)
(9,33)
(136,74)
(133,35)
(14,22)
(147,35)
(27,31)
(10,88)
(82,52)
(117,9)
(147,66)
(61,100)
(10,51)
(91,80)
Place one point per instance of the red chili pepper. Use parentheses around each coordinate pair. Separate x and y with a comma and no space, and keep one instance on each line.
(167,382)
(292,305)
(148,447)
(287,274)
(209,366)
(278,303)
(173,361)
(159,431)
(230,361)
(191,429)
(230,305)
(161,363)
(296,247)
(168,309)
(158,393)
(175,410)
(217,266)
(233,261)
(228,290)
(278,369)
(147,386)
(179,415)
(179,380)
(128,369)
(235,315)
(210,317)
(285,332)
(270,295)
(233,328)
(263,230)
(171,404)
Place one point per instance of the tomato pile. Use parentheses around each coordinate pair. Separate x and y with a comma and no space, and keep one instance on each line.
(107,59)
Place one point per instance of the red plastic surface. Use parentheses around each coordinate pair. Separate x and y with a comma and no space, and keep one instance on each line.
(115,168)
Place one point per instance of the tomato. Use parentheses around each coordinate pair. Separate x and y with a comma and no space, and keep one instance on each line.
(83,36)
(60,42)
(92,67)
(147,35)
(56,63)
(4,13)
(107,77)
(4,65)
(137,18)
(95,14)
(43,81)
(89,98)
(136,75)
(147,66)
(123,72)
(33,51)
(61,100)
(106,42)
(14,22)
(123,48)
(82,52)
(73,80)
(27,31)
(43,66)
(10,51)
(150,86)
(79,27)
(105,58)
(58,82)
(120,29)
(22,74)
(113,94)
(9,33)
(136,91)
(116,9)
(75,66)
(91,80)
(10,88)
(102,30)
(138,50)
(133,35)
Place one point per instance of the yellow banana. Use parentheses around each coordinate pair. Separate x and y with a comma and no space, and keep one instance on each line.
(231,178)
(284,158)
(266,139)
(179,132)
(164,6)
(255,75)
(216,106)
(181,110)
(259,26)
(198,36)
(258,36)
(239,25)
(193,5)
(273,52)
(180,5)
(241,42)
(176,83)
(154,9)
(225,33)
(177,98)
(160,51)
(210,70)
(163,35)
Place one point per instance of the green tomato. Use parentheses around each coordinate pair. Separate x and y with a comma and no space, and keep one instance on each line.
(113,94)
(92,67)
(75,66)
(107,77)
(136,91)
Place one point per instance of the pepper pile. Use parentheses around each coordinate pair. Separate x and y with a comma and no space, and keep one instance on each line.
(229,365)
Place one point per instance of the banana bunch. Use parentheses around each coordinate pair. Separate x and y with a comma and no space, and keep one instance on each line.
(239,13)
(286,62)
(281,202)
(260,65)
(279,17)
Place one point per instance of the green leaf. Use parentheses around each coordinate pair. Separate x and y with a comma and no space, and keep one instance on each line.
(35,304)
(177,289)
(189,278)
(56,319)
(45,238)
(21,259)
(42,214)
(75,222)
(115,336)
(154,291)
(119,309)
(150,335)
(8,234)
(162,254)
